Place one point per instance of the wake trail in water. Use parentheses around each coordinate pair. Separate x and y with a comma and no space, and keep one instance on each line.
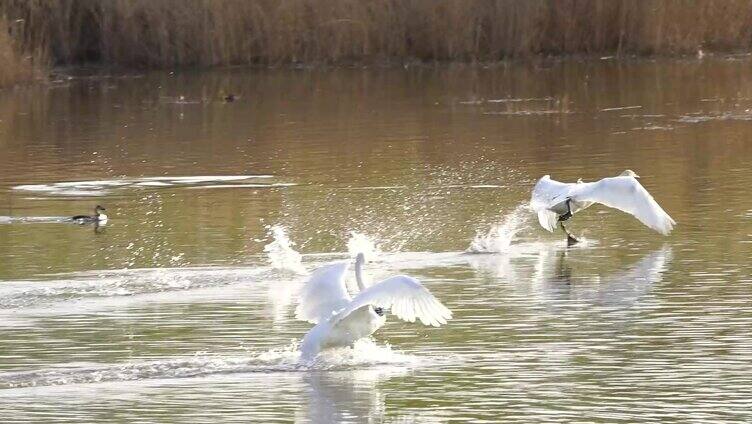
(35,219)
(499,238)
(365,353)
(104,187)
(121,284)
(280,252)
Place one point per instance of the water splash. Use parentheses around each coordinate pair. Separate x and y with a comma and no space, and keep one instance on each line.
(280,252)
(364,352)
(361,243)
(500,236)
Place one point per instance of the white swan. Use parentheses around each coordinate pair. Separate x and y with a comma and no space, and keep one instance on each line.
(556,202)
(341,320)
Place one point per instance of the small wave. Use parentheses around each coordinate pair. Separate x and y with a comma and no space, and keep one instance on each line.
(280,251)
(695,119)
(610,109)
(373,188)
(508,100)
(530,112)
(175,368)
(726,116)
(104,187)
(179,100)
(482,186)
(205,178)
(648,116)
(654,128)
(34,219)
(153,184)
(499,237)
(275,185)
(520,100)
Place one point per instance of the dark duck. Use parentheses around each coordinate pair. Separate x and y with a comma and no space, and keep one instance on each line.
(99,217)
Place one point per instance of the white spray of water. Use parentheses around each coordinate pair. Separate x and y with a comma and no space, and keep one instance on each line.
(500,236)
(364,352)
(280,252)
(361,243)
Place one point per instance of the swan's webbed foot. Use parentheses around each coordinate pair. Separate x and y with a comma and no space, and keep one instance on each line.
(571,241)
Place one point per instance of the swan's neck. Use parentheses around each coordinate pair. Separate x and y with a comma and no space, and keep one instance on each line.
(359,273)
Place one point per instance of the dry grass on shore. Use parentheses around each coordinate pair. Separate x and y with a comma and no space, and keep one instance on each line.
(170,33)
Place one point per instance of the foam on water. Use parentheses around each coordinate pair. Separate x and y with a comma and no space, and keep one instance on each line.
(153,184)
(34,219)
(745,115)
(500,236)
(364,353)
(280,251)
(206,178)
(274,185)
(103,187)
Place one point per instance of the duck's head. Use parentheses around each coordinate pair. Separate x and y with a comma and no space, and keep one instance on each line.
(99,209)
(629,173)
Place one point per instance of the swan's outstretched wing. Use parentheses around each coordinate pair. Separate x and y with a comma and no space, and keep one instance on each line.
(628,195)
(324,294)
(545,192)
(406,297)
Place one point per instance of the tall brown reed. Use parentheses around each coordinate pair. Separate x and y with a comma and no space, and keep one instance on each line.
(169,33)
(17,64)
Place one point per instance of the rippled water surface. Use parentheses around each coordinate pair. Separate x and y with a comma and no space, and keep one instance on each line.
(181,308)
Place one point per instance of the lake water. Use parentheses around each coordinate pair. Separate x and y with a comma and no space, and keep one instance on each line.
(181,308)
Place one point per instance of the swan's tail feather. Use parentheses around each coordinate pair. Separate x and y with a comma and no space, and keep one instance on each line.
(548,219)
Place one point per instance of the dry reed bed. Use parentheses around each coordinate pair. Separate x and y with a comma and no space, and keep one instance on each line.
(169,33)
(18,64)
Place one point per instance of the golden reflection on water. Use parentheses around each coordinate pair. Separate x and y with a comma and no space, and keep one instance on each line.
(629,326)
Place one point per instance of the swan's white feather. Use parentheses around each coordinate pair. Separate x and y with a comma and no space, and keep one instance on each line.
(624,193)
(628,195)
(544,192)
(406,298)
(324,294)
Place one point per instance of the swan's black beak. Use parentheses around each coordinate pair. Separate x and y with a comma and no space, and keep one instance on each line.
(379,311)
